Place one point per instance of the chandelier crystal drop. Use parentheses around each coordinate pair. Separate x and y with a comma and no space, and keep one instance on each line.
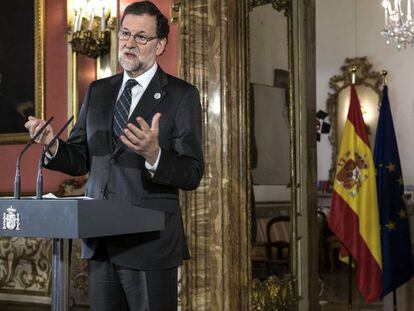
(398,26)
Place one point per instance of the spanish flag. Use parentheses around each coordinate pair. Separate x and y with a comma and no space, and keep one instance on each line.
(354,211)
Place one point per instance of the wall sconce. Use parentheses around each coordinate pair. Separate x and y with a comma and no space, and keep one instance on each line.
(91,32)
(90,25)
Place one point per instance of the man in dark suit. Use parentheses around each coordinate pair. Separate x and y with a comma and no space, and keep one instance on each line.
(144,161)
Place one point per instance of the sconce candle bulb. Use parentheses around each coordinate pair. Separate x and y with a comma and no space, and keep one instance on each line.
(75,19)
(91,21)
(103,19)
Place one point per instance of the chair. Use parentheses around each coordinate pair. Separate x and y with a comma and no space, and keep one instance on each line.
(329,243)
(278,233)
(333,245)
(260,265)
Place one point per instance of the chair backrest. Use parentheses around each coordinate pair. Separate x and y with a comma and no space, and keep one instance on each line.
(278,231)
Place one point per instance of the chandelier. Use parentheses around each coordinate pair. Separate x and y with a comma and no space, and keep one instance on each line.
(398,26)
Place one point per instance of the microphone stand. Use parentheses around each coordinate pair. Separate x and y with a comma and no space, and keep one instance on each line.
(39,182)
(60,248)
(28,144)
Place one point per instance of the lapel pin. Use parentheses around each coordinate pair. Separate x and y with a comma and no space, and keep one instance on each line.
(157,95)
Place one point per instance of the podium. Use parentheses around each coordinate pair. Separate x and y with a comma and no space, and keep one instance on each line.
(68,218)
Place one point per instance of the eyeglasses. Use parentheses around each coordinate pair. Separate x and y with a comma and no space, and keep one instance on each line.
(140,39)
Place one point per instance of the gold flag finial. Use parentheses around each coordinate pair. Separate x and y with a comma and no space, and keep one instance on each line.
(353,71)
(384,74)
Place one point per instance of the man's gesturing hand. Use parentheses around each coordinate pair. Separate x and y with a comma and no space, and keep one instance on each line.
(143,141)
(33,125)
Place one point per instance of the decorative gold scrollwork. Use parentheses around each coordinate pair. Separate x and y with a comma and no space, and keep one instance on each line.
(91,44)
(78,294)
(175,11)
(279,5)
(364,76)
(273,294)
(25,265)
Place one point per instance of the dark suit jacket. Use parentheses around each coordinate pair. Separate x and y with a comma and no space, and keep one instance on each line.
(118,173)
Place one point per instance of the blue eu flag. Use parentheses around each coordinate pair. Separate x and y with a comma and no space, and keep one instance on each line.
(397,264)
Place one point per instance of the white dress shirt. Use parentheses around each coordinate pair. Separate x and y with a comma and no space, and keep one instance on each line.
(139,89)
(136,93)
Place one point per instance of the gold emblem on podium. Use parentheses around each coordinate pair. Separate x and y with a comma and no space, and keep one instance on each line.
(11,219)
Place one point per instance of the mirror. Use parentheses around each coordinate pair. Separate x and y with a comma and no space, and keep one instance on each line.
(270,135)
(270,142)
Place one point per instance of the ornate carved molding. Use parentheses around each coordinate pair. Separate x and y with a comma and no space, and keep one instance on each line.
(279,5)
(175,11)
(364,75)
(274,294)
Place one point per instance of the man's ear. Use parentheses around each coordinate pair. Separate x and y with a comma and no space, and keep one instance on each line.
(161,44)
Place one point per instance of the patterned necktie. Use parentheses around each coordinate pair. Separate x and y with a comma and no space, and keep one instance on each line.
(121,111)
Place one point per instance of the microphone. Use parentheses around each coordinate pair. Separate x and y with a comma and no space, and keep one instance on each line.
(39,181)
(28,144)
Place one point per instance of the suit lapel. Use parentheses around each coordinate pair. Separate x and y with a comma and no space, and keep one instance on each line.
(152,97)
(150,100)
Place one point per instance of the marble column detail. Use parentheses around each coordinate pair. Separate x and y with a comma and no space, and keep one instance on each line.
(213,57)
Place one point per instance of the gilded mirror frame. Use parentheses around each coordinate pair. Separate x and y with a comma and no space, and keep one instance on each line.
(364,76)
(38,66)
(279,5)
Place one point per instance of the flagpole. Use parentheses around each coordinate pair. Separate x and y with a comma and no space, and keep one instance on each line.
(349,281)
(384,74)
(353,78)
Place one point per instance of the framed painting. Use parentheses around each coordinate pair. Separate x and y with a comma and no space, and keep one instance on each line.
(21,67)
